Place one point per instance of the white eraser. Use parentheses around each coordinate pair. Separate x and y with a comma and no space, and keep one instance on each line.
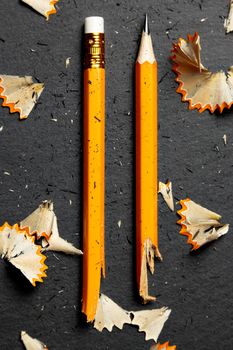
(94,24)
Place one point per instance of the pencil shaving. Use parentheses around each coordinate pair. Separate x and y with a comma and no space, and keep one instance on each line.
(151,321)
(164,346)
(40,221)
(228,24)
(18,247)
(43,223)
(20,94)
(199,224)
(148,258)
(166,192)
(44,7)
(32,343)
(68,62)
(109,314)
(58,244)
(224,139)
(198,86)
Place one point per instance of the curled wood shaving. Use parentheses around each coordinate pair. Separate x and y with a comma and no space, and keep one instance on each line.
(166,192)
(151,321)
(32,343)
(164,346)
(20,94)
(58,244)
(228,24)
(18,247)
(109,314)
(197,85)
(44,7)
(199,224)
(40,221)
(43,223)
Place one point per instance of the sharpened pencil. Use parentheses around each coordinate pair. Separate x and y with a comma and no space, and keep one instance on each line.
(146,162)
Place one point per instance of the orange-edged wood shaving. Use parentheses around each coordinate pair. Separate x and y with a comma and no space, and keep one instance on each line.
(42,223)
(20,94)
(44,7)
(18,247)
(201,88)
(199,224)
(32,343)
(164,346)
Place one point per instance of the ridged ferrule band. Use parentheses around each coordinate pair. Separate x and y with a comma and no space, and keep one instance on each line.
(94,55)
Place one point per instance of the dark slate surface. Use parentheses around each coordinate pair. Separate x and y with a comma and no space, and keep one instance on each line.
(43,158)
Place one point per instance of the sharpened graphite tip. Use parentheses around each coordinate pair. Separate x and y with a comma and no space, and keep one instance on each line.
(146,25)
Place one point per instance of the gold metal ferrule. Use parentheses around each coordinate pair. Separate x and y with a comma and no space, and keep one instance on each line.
(94,50)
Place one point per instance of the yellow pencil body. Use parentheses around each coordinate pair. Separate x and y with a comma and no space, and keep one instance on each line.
(146,152)
(93,191)
(93,220)
(146,169)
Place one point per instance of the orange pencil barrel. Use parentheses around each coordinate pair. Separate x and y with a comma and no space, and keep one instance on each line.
(146,152)
(94,162)
(146,164)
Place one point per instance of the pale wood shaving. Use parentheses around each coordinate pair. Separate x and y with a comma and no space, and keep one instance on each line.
(224,139)
(151,321)
(43,223)
(32,343)
(20,94)
(58,244)
(200,87)
(17,247)
(166,191)
(199,224)
(228,24)
(44,7)
(40,221)
(109,314)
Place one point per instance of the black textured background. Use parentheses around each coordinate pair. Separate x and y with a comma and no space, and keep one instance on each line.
(43,158)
